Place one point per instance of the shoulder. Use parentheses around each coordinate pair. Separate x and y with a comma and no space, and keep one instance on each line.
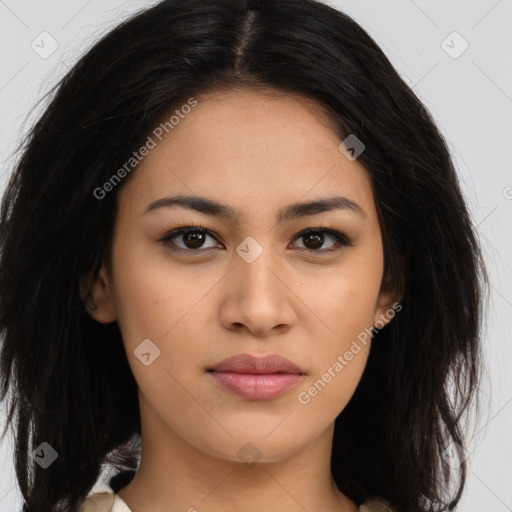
(375,505)
(98,502)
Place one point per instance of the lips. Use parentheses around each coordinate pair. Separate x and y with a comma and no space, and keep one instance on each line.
(245,363)
(256,378)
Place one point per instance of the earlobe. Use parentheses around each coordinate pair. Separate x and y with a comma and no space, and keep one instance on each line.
(96,293)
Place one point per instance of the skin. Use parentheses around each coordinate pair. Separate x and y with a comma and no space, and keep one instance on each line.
(257,153)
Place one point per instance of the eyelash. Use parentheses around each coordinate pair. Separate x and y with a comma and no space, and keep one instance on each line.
(342,240)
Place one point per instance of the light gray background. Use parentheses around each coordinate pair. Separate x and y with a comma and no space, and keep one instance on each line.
(470,97)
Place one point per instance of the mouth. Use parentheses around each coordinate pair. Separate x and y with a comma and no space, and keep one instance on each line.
(256,378)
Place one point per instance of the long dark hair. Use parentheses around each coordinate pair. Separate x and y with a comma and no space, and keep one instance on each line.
(68,376)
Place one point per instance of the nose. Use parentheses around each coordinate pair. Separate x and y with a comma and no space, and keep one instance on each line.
(258,296)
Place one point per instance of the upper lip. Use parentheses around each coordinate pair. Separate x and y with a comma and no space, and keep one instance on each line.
(245,363)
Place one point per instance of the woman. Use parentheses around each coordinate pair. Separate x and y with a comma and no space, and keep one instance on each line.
(237,266)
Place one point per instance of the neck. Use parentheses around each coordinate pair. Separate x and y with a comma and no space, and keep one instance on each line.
(173,476)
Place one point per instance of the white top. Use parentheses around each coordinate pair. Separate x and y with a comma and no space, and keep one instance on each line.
(104,502)
(112,502)
(119,505)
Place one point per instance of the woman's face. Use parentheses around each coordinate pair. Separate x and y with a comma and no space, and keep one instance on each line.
(252,284)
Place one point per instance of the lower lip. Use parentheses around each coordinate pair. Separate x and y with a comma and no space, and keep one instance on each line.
(255,386)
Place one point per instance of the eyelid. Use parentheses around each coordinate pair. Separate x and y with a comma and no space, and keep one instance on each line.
(341,238)
(180,230)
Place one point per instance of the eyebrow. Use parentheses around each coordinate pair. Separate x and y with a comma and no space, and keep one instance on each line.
(294,210)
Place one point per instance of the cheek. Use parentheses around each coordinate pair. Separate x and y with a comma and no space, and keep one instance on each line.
(342,342)
(343,301)
(156,301)
(159,305)
(341,310)
(150,295)
(141,301)
(328,391)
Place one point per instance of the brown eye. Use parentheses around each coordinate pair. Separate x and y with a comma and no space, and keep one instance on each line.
(192,238)
(315,238)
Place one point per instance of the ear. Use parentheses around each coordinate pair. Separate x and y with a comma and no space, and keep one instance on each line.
(96,292)
(387,302)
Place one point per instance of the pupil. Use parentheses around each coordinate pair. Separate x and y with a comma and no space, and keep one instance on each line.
(318,237)
(196,238)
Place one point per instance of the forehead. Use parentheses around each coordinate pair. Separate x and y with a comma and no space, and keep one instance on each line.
(244,148)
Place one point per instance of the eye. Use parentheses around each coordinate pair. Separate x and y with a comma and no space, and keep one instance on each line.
(315,238)
(194,237)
